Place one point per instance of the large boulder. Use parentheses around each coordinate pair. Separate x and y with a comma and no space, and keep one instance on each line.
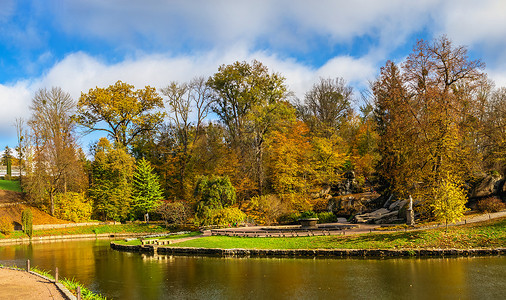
(488,186)
(380,216)
(353,204)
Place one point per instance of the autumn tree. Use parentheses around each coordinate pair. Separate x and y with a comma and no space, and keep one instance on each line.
(111,181)
(289,159)
(494,131)
(424,116)
(55,164)
(120,111)
(183,101)
(250,102)
(326,105)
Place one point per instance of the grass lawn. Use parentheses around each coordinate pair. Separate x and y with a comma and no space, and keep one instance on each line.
(489,234)
(170,237)
(10,185)
(95,229)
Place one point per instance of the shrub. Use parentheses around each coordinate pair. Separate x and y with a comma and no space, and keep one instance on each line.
(308,214)
(173,212)
(491,204)
(320,205)
(6,226)
(266,209)
(27,220)
(213,193)
(221,217)
(73,207)
(327,217)
(288,219)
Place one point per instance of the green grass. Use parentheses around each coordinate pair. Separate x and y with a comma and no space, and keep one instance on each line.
(10,185)
(94,229)
(490,234)
(71,285)
(170,237)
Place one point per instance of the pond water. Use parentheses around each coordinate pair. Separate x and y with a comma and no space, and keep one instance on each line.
(122,275)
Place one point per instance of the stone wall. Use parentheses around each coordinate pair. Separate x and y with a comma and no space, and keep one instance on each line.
(330,253)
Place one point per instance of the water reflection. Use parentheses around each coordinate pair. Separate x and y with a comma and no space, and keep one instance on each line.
(122,275)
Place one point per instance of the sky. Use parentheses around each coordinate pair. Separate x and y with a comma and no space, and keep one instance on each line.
(82,44)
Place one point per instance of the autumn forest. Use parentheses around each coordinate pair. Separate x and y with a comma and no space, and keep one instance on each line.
(239,146)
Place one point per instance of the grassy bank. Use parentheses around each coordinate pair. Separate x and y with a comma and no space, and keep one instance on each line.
(10,185)
(95,229)
(489,234)
(170,237)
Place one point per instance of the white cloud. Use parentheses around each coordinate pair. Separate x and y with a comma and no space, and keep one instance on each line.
(79,72)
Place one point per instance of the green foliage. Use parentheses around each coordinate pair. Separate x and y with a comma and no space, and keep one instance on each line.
(10,185)
(326,217)
(27,221)
(73,207)
(111,181)
(6,226)
(491,204)
(146,193)
(449,200)
(7,161)
(212,193)
(308,214)
(221,216)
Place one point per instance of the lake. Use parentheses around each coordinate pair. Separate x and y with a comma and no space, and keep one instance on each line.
(122,275)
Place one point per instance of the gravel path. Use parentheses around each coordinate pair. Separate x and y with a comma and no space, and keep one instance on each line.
(16,284)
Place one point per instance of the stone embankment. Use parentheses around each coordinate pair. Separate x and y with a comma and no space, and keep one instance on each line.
(330,253)
(52,238)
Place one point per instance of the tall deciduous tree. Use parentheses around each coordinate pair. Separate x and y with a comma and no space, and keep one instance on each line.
(326,105)
(56,166)
(424,116)
(123,112)
(250,102)
(184,100)
(111,181)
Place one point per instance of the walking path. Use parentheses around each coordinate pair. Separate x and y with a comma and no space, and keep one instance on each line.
(18,284)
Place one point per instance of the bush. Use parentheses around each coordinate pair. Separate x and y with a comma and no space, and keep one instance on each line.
(266,209)
(320,205)
(73,207)
(327,217)
(289,219)
(6,226)
(308,214)
(173,212)
(221,217)
(491,204)
(27,220)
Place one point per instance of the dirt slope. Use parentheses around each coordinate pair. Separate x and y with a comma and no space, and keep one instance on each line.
(13,212)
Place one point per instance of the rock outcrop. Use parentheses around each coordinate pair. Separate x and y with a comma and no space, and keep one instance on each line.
(393,211)
(490,185)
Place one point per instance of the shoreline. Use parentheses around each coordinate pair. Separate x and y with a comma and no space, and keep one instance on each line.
(54,238)
(42,281)
(309,253)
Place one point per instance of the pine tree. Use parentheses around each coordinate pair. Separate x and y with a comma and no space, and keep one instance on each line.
(147,192)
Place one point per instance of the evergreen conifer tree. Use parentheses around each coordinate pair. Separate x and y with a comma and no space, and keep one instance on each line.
(146,188)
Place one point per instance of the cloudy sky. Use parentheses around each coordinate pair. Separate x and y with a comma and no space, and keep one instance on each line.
(82,44)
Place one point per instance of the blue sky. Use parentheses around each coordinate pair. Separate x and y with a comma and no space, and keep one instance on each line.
(81,44)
